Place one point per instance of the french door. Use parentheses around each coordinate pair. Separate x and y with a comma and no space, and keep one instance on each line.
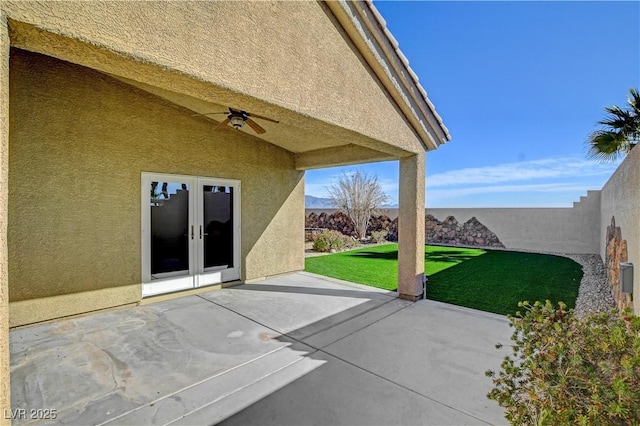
(190,232)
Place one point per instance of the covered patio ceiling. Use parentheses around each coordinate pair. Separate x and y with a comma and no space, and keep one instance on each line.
(314,144)
(351,99)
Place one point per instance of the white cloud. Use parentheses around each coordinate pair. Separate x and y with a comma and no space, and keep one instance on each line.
(547,182)
(545,169)
(389,185)
(493,189)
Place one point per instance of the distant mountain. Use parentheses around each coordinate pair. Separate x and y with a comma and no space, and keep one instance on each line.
(311,202)
(317,202)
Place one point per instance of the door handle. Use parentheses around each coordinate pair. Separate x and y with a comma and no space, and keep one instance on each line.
(186,235)
(201,234)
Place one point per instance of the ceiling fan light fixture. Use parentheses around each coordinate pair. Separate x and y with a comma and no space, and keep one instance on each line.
(236,121)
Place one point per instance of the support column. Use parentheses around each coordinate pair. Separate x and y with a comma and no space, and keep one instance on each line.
(5,399)
(411,227)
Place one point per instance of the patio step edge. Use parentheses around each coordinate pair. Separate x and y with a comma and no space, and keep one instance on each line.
(175,406)
(234,403)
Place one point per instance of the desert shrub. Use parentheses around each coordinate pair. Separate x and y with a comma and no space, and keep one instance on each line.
(566,370)
(379,236)
(349,242)
(332,240)
(311,235)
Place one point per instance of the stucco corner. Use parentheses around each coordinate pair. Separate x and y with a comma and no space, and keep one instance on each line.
(4,289)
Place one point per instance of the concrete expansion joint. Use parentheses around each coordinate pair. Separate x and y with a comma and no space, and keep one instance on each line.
(208,379)
(316,350)
(360,328)
(373,308)
(405,387)
(239,389)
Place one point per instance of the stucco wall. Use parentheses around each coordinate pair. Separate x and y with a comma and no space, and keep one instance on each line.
(257,55)
(621,198)
(4,192)
(79,141)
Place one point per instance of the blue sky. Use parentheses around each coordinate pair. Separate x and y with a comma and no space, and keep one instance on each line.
(520,85)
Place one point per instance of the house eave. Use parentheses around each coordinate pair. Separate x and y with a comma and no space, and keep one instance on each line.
(367,30)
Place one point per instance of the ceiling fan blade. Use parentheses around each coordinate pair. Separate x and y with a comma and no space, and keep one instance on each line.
(211,113)
(255,126)
(221,125)
(263,118)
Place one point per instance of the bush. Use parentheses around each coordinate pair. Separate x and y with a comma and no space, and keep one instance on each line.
(379,236)
(566,370)
(332,240)
(311,235)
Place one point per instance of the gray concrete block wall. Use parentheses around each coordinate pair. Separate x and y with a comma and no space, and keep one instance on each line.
(586,218)
(564,230)
(559,230)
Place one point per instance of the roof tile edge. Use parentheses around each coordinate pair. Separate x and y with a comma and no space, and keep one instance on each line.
(385,30)
(383,49)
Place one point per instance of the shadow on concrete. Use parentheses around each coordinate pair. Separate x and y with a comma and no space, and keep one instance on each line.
(358,294)
(295,349)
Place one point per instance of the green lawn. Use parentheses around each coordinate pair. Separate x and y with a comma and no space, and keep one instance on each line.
(492,281)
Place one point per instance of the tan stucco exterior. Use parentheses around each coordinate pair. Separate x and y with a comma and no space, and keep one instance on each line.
(411,227)
(159,63)
(306,73)
(103,91)
(74,202)
(4,193)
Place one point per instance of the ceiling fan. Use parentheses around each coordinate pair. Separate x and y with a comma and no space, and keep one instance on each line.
(238,118)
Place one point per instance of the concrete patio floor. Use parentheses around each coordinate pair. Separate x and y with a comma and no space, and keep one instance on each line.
(290,350)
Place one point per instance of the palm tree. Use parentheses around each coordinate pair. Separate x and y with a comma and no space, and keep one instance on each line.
(621,132)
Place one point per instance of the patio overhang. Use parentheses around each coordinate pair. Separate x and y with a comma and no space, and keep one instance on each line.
(311,117)
(314,85)
(296,132)
(367,30)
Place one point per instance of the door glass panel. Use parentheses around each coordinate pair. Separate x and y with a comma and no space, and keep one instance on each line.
(170,235)
(217,226)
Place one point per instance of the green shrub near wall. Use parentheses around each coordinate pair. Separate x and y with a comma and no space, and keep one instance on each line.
(332,240)
(565,370)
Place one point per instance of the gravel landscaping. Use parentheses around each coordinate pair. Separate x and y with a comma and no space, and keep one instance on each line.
(594,294)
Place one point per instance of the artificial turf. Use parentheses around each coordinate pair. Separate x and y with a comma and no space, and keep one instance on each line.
(492,281)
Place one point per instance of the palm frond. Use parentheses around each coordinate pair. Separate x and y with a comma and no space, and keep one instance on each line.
(621,131)
(634,100)
(607,146)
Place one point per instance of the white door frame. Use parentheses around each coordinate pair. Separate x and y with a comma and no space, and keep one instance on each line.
(197,275)
(215,275)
